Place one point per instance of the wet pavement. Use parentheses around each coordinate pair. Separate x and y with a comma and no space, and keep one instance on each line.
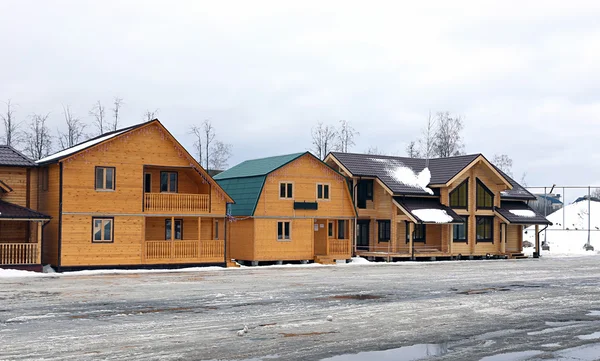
(545,309)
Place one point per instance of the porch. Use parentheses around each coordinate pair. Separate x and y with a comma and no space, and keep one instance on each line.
(333,240)
(183,240)
(180,190)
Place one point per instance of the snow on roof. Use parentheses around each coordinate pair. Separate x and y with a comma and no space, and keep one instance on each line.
(433,215)
(522,212)
(81,146)
(408,177)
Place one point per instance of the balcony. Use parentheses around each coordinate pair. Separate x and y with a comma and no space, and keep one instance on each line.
(176,202)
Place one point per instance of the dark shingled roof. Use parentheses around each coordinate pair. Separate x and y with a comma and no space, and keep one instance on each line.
(518,191)
(507,206)
(415,203)
(381,166)
(11,157)
(9,210)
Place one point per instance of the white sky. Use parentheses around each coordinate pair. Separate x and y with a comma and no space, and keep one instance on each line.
(525,74)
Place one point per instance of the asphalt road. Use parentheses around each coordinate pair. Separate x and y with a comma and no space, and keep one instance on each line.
(459,310)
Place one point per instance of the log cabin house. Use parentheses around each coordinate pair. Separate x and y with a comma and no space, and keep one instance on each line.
(288,208)
(20,223)
(456,207)
(132,197)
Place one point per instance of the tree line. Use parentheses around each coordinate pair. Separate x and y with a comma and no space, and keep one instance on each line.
(32,134)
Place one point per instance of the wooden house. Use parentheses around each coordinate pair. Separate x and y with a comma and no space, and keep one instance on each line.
(20,223)
(132,197)
(452,207)
(288,208)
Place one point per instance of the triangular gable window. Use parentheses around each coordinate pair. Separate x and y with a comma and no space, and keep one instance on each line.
(459,197)
(485,198)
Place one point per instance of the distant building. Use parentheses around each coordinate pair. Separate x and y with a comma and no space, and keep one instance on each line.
(551,202)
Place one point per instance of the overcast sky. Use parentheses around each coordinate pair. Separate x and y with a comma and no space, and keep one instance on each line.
(525,76)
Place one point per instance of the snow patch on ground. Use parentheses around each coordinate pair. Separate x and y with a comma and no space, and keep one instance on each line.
(10,273)
(522,213)
(433,215)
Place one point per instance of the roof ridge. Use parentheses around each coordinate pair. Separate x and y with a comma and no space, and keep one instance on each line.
(406,157)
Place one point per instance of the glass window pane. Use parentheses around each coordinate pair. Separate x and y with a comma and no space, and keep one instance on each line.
(168,229)
(279,230)
(109,178)
(178,230)
(319,191)
(289,190)
(287,230)
(216,229)
(282,190)
(99,178)
(173,182)
(148,183)
(326,191)
(164,181)
(107,230)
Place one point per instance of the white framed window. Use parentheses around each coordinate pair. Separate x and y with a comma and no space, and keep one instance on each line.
(323,191)
(105,178)
(286,190)
(284,230)
(102,230)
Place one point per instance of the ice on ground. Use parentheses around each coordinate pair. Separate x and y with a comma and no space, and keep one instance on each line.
(592,336)
(433,215)
(522,212)
(513,356)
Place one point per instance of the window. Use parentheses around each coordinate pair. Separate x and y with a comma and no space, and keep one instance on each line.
(341,229)
(216,229)
(105,178)
(322,191)
(43,179)
(485,198)
(286,190)
(418,234)
(485,229)
(459,197)
(365,192)
(330,230)
(168,182)
(178,229)
(284,230)
(147,182)
(102,229)
(384,231)
(460,232)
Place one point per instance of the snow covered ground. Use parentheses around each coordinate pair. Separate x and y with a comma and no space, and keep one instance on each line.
(568,236)
(458,310)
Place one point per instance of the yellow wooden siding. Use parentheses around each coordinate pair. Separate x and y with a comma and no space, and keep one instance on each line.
(514,234)
(15,178)
(14,231)
(240,244)
(187,181)
(48,204)
(299,247)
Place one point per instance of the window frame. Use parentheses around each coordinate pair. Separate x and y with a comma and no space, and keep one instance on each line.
(491,226)
(423,236)
(169,172)
(341,229)
(486,190)
(465,184)
(454,233)
(289,236)
(384,225)
(112,229)
(287,190)
(168,229)
(104,173)
(323,186)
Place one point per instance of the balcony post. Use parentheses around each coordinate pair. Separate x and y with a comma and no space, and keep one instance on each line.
(38,255)
(172,237)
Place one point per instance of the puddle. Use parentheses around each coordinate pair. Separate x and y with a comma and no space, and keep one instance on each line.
(359,297)
(483,290)
(512,356)
(582,353)
(407,353)
(592,336)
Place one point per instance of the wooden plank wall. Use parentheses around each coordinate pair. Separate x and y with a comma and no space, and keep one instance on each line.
(48,204)
(14,231)
(514,235)
(186,181)
(16,178)
(240,243)
(268,248)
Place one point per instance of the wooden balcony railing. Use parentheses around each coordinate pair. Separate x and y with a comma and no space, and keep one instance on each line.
(19,253)
(338,247)
(176,202)
(180,251)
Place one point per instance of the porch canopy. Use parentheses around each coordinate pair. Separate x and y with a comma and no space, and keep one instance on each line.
(9,211)
(514,212)
(427,210)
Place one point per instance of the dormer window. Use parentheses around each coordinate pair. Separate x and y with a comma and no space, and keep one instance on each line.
(459,197)
(485,197)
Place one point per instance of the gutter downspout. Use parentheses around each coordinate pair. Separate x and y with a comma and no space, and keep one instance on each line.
(539,250)
(354,201)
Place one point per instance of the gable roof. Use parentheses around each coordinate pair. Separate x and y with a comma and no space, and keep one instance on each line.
(13,211)
(433,211)
(258,167)
(518,192)
(9,156)
(515,212)
(382,167)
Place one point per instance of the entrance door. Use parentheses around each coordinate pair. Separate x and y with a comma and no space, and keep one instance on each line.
(362,235)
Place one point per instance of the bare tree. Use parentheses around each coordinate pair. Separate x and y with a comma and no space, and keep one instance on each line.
(412,150)
(504,163)
(523,181)
(98,112)
(427,142)
(209,136)
(374,150)
(12,135)
(117,103)
(323,137)
(151,115)
(38,139)
(221,153)
(197,133)
(345,136)
(595,193)
(447,138)
(75,130)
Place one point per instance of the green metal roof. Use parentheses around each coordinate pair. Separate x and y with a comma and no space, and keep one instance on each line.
(245,192)
(256,167)
(245,181)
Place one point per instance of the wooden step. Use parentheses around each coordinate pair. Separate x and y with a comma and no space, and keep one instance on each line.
(518,256)
(232,264)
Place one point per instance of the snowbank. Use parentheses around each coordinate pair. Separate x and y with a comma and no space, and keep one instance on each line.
(433,215)
(10,273)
